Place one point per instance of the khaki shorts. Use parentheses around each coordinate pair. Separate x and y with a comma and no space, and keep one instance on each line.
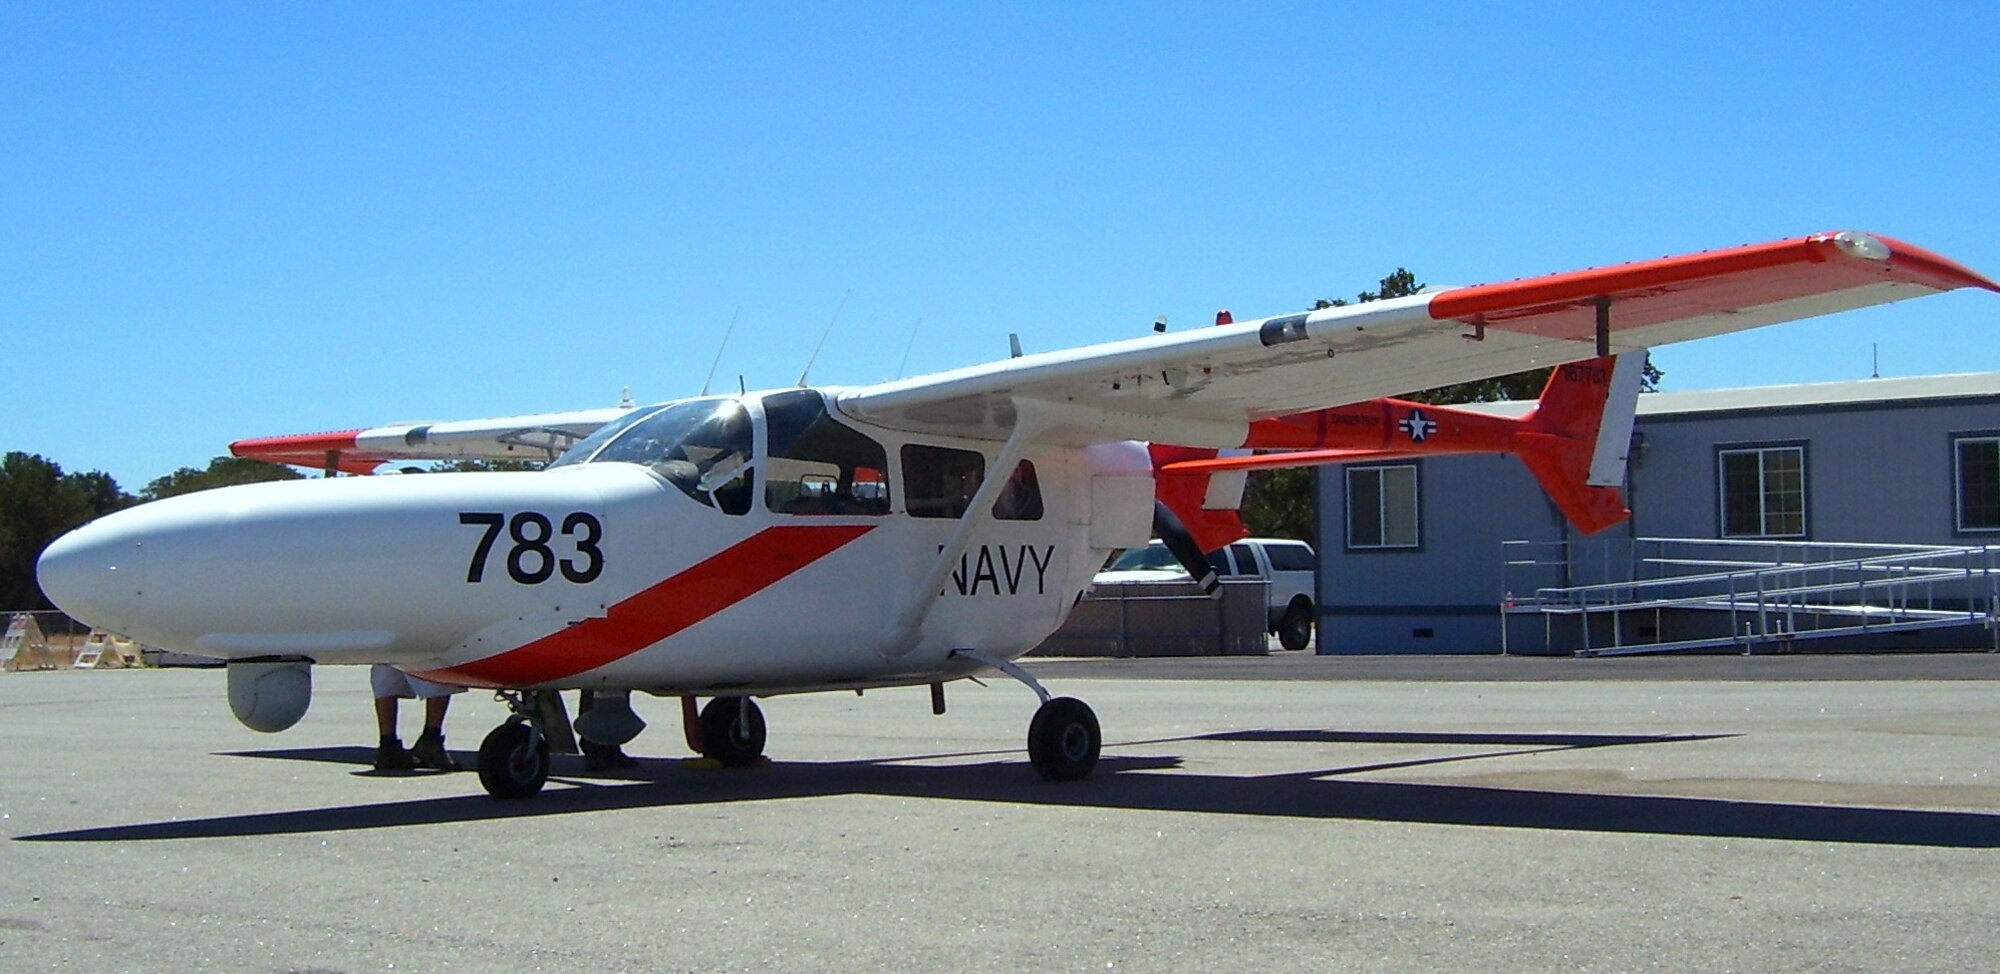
(392,682)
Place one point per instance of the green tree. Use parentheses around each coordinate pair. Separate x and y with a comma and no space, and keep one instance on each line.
(485,466)
(221,472)
(1279,504)
(38,502)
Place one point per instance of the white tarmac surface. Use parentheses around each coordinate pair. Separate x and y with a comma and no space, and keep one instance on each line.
(1322,815)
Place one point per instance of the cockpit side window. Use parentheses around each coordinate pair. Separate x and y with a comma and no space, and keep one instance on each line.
(818,466)
(701,446)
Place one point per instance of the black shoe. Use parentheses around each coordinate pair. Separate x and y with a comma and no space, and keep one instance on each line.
(605,757)
(390,756)
(430,752)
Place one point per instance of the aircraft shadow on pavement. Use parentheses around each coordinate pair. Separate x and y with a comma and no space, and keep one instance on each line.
(1139,783)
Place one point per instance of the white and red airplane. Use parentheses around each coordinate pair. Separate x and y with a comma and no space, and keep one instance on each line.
(907,533)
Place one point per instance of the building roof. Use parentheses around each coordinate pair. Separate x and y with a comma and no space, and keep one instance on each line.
(1813,395)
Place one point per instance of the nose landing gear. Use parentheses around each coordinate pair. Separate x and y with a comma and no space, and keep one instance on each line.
(514,758)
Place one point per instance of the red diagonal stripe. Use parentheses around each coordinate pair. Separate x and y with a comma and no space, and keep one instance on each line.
(724,579)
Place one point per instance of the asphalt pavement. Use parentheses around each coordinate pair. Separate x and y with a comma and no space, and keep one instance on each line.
(1284,814)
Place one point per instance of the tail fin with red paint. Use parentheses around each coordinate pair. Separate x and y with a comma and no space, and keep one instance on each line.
(1577,438)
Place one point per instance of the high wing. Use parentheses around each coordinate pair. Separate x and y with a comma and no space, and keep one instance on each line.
(542,436)
(1203,387)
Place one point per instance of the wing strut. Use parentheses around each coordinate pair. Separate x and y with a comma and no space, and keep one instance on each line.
(899,637)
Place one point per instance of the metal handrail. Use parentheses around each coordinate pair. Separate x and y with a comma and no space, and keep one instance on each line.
(1868,586)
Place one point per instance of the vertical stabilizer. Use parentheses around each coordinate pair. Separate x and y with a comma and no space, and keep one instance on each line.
(1577,439)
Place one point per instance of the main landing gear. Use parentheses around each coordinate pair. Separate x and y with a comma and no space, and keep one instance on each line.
(1063,738)
(732,732)
(514,759)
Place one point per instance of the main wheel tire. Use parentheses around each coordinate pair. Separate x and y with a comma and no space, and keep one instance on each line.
(1063,740)
(1295,630)
(732,731)
(513,761)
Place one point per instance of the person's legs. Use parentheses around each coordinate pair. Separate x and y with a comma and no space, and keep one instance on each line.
(385,717)
(434,710)
(429,750)
(390,684)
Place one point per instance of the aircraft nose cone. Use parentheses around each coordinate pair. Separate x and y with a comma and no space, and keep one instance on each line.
(96,573)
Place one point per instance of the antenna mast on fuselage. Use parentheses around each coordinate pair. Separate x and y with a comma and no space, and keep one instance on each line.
(822,336)
(726,332)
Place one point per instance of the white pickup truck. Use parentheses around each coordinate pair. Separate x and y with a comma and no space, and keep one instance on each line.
(1287,565)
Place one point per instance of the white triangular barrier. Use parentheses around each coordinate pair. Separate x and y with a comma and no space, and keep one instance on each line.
(106,651)
(24,647)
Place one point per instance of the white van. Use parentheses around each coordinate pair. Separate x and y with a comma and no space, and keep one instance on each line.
(1287,565)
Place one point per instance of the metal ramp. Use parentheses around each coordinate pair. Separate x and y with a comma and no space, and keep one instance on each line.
(1663,595)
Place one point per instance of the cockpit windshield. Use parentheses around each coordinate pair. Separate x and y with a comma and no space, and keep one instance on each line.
(701,446)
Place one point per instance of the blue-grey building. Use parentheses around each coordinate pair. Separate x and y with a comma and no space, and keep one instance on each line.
(1414,554)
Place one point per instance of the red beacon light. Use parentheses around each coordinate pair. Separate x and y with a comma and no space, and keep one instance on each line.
(1223,317)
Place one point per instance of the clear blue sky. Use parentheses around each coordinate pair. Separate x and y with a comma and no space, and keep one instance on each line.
(264,218)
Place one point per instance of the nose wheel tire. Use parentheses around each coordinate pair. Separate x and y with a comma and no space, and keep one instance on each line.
(1063,740)
(513,761)
(732,731)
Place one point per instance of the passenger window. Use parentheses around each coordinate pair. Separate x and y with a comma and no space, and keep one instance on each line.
(1021,499)
(938,481)
(816,465)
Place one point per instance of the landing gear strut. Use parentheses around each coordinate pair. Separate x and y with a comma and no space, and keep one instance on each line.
(1063,739)
(514,758)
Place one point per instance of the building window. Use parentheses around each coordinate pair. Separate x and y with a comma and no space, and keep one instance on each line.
(1978,464)
(1763,492)
(1382,507)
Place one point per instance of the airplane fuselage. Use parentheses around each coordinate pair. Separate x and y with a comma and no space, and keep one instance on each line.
(629,574)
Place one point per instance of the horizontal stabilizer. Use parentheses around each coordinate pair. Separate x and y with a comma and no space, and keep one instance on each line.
(1574,442)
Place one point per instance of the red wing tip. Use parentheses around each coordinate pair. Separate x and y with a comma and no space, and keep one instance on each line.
(309,450)
(332,440)
(1938,265)
(1893,258)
